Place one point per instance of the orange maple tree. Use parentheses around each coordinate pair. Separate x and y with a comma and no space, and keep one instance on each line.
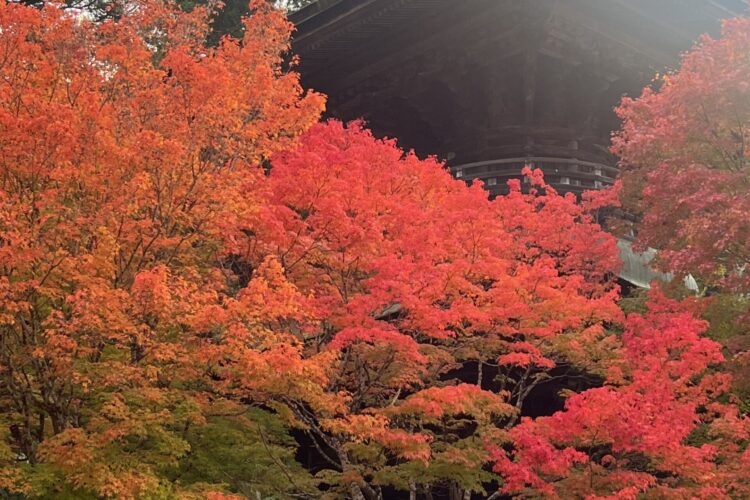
(130,161)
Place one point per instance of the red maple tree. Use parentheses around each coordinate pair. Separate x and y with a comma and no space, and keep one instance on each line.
(658,427)
(684,154)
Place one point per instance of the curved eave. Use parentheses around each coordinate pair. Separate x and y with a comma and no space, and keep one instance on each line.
(636,266)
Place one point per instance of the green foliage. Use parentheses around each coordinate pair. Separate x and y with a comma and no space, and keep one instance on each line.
(460,462)
(635,302)
(727,317)
(250,453)
(227,21)
(45,481)
(724,313)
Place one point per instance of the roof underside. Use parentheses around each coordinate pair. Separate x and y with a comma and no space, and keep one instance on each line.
(480,80)
(327,29)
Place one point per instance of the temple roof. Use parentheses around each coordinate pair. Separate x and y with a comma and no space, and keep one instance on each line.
(329,30)
(492,84)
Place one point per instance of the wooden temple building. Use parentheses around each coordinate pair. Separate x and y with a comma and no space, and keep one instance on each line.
(491,85)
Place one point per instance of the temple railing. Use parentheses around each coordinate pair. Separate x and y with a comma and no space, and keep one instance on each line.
(565,174)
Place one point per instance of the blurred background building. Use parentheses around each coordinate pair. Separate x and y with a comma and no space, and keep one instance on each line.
(492,85)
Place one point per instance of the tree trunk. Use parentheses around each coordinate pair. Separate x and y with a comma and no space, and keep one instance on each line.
(454,492)
(356,493)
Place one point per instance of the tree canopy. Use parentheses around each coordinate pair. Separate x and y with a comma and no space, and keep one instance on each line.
(684,151)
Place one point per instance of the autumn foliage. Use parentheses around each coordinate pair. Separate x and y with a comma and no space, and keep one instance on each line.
(201,285)
(684,149)
(660,430)
(130,152)
(684,154)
